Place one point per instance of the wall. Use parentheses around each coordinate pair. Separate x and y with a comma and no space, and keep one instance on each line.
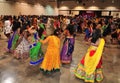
(44,7)
(27,8)
(106,6)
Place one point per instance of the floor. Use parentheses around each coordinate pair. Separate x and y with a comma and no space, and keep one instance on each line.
(14,71)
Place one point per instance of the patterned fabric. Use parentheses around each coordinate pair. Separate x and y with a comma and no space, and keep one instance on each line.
(51,60)
(96,76)
(12,41)
(22,50)
(36,54)
(91,62)
(90,67)
(67,50)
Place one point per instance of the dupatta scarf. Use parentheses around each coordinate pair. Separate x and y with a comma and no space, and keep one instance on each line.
(92,61)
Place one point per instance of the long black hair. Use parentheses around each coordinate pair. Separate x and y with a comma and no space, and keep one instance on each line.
(40,32)
(24,27)
(70,28)
(56,32)
(96,35)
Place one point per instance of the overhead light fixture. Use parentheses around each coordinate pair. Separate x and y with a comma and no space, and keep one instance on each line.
(113,1)
(61,2)
(77,2)
(93,1)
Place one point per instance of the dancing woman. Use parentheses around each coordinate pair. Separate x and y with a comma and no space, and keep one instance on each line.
(12,43)
(90,67)
(22,50)
(51,60)
(68,45)
(35,46)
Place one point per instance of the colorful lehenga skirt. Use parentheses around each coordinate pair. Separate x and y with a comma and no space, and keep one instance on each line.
(12,42)
(51,62)
(22,50)
(81,70)
(97,75)
(64,57)
(36,54)
(67,50)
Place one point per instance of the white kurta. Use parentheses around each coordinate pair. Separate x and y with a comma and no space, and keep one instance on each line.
(8,27)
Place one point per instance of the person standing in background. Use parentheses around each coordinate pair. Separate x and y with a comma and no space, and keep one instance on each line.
(8,26)
(1,26)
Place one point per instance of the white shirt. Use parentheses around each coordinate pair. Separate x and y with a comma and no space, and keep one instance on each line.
(67,21)
(8,27)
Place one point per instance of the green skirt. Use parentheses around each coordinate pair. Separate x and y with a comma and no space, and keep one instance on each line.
(14,42)
(36,54)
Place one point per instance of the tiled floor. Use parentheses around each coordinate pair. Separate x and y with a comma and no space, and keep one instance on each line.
(13,71)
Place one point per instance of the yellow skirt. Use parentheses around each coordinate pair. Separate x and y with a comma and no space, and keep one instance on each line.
(51,61)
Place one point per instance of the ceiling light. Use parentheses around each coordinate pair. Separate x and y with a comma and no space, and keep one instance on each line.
(112,1)
(93,1)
